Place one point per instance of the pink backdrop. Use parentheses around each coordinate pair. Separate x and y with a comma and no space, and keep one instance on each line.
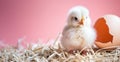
(44,19)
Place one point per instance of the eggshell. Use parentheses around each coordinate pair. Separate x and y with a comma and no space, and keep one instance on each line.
(108,31)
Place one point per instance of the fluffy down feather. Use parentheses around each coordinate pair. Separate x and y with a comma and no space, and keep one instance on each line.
(78,32)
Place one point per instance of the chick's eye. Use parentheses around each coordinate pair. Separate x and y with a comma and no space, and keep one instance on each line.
(75,18)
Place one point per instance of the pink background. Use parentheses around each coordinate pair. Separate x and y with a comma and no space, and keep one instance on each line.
(44,19)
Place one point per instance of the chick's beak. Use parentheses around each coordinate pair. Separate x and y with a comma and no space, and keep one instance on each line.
(81,21)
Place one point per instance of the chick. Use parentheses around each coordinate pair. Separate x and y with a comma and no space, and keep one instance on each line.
(78,33)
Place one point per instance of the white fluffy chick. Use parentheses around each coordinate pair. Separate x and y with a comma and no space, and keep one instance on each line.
(78,33)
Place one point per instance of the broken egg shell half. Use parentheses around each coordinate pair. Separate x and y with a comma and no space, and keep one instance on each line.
(108,31)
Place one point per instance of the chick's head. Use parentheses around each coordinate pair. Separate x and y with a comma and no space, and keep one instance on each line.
(78,16)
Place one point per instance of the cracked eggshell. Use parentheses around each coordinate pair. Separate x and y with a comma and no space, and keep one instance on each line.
(108,31)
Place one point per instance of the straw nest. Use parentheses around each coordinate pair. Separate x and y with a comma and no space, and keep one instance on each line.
(55,53)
